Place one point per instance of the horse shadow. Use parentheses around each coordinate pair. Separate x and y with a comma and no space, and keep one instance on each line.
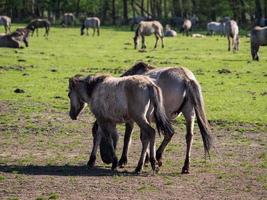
(65,170)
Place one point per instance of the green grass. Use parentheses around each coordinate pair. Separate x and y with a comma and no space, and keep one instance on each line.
(42,70)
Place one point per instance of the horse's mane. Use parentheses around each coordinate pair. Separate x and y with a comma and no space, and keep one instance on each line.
(138,68)
(92,82)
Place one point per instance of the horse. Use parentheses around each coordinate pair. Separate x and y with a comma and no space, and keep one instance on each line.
(13,40)
(169,32)
(147,28)
(68,19)
(6,21)
(231,30)
(258,38)
(39,23)
(216,27)
(136,20)
(181,94)
(186,27)
(91,22)
(119,100)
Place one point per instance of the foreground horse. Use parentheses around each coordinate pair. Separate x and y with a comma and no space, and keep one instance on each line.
(216,27)
(39,23)
(91,22)
(116,100)
(258,38)
(146,29)
(186,27)
(6,21)
(231,30)
(181,94)
(13,40)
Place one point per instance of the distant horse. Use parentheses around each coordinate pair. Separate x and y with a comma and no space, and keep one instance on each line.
(6,21)
(146,29)
(216,27)
(13,40)
(91,22)
(39,23)
(231,30)
(186,27)
(169,32)
(68,19)
(117,100)
(181,94)
(258,38)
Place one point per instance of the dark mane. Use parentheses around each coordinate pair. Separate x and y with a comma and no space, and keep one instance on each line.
(92,82)
(138,68)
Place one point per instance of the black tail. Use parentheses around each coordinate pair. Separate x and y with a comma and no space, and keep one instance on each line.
(196,98)
(162,122)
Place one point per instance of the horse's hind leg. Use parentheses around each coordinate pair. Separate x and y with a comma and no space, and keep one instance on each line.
(162,41)
(229,43)
(143,42)
(127,140)
(165,142)
(189,115)
(98,32)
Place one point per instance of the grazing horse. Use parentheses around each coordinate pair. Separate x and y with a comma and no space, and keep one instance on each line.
(231,30)
(68,19)
(181,94)
(258,38)
(216,27)
(39,23)
(146,29)
(91,22)
(6,21)
(186,27)
(13,40)
(118,100)
(169,32)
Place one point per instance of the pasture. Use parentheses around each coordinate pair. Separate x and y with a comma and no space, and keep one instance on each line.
(43,153)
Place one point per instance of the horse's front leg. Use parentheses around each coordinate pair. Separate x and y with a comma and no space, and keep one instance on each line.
(96,141)
(162,41)
(94,31)
(98,32)
(127,140)
(157,39)
(229,43)
(165,142)
(143,42)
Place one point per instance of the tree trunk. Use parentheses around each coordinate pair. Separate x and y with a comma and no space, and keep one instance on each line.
(142,8)
(77,8)
(113,12)
(125,11)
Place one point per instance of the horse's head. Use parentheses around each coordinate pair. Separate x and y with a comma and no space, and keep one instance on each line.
(82,29)
(136,41)
(76,102)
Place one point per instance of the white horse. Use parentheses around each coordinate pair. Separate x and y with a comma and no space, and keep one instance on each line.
(231,30)
(6,21)
(91,22)
(216,27)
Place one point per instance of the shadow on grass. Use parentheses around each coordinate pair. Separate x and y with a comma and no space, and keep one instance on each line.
(65,170)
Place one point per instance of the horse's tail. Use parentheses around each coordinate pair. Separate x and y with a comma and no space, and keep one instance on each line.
(196,98)
(162,122)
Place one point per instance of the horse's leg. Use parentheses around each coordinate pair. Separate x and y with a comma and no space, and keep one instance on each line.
(189,115)
(157,39)
(33,32)
(109,129)
(98,32)
(229,43)
(127,139)
(143,42)
(96,141)
(87,31)
(94,31)
(165,142)
(256,49)
(162,41)
(37,32)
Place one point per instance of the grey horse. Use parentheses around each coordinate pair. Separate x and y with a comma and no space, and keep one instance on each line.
(119,100)
(186,27)
(232,31)
(147,28)
(91,22)
(6,21)
(181,94)
(258,38)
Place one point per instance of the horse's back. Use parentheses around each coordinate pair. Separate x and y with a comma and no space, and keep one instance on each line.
(92,22)
(149,27)
(259,35)
(231,28)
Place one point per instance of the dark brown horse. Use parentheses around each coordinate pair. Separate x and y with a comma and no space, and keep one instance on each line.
(258,38)
(14,39)
(181,94)
(39,23)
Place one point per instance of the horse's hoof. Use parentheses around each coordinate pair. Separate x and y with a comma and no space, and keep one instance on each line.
(114,164)
(185,171)
(91,162)
(123,162)
(159,158)
(138,170)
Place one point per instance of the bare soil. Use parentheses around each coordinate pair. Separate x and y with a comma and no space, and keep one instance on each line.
(45,156)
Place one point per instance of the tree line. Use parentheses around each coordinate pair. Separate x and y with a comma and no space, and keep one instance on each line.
(120,11)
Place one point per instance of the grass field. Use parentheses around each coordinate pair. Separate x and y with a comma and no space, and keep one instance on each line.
(43,152)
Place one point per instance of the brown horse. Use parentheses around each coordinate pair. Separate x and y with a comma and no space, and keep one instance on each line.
(147,28)
(258,38)
(39,23)
(181,94)
(13,40)
(186,27)
(116,100)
